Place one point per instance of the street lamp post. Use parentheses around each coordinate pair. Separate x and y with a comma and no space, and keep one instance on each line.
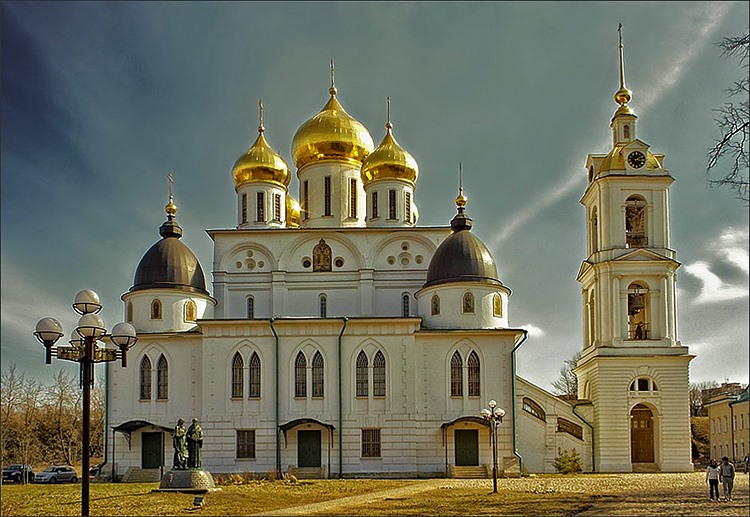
(494,415)
(86,349)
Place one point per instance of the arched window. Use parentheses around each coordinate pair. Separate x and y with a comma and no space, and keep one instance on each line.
(162,379)
(250,307)
(260,207)
(468,305)
(243,212)
(533,408)
(497,305)
(457,375)
(643,384)
(238,377)
(626,132)
(594,231)
(435,304)
(638,310)
(361,374)
(378,375)
(254,376)
(300,376)
(323,300)
(317,375)
(129,312)
(156,310)
(405,305)
(190,311)
(145,380)
(473,364)
(635,222)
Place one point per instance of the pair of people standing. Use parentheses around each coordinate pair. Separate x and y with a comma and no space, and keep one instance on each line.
(723,472)
(187,445)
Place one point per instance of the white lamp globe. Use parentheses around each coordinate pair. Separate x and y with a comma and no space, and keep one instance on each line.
(485,413)
(91,325)
(86,302)
(123,335)
(48,330)
(499,412)
(492,404)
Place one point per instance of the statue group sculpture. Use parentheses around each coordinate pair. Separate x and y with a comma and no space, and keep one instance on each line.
(187,445)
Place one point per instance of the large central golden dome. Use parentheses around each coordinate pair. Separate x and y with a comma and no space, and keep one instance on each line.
(332,134)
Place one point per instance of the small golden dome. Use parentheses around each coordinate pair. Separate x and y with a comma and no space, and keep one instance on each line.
(615,161)
(623,96)
(171,208)
(389,162)
(292,212)
(261,162)
(332,134)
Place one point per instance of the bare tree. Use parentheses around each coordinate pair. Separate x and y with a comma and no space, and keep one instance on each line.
(567,383)
(732,120)
(697,404)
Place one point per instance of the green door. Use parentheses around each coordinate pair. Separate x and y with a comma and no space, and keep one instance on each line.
(152,452)
(467,447)
(308,448)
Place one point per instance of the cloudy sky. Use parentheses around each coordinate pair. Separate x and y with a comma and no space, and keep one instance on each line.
(100,100)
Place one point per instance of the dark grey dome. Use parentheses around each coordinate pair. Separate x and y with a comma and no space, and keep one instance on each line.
(169,264)
(462,257)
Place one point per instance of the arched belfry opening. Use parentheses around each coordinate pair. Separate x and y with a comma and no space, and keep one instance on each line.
(638,312)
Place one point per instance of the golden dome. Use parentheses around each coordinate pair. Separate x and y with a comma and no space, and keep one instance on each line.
(292,212)
(615,161)
(261,162)
(389,161)
(332,134)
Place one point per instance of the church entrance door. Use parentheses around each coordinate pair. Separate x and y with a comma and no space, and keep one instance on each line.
(641,435)
(152,452)
(467,447)
(308,448)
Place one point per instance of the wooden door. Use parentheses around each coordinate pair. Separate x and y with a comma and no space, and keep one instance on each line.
(152,451)
(308,448)
(467,447)
(641,435)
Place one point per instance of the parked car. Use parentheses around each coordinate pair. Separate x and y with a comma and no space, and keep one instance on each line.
(16,472)
(57,474)
(96,468)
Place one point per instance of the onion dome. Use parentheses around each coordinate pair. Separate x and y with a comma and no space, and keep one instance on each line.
(332,134)
(260,162)
(390,160)
(461,257)
(169,264)
(292,212)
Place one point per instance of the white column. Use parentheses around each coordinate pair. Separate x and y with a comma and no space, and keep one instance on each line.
(666,330)
(616,319)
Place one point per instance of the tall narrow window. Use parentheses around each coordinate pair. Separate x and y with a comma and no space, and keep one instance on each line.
(594,231)
(407,207)
(323,306)
(391,204)
(190,311)
(327,195)
(405,305)
(378,375)
(277,207)
(246,444)
(254,376)
(473,364)
(238,376)
(457,375)
(244,208)
(162,379)
(497,305)
(468,305)
(638,312)
(362,374)
(250,307)
(317,375)
(129,311)
(305,200)
(156,310)
(353,198)
(300,376)
(145,380)
(375,205)
(635,222)
(626,132)
(435,305)
(260,208)
(370,443)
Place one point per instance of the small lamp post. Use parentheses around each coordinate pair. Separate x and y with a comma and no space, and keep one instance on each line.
(494,415)
(86,349)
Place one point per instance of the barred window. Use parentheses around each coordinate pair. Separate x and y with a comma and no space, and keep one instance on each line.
(244,208)
(407,207)
(370,443)
(300,376)
(473,364)
(378,375)
(566,426)
(375,205)
(156,310)
(254,367)
(361,374)
(533,408)
(260,214)
(305,200)
(317,375)
(353,198)
(323,306)
(457,375)
(250,307)
(145,380)
(391,204)
(327,195)
(405,305)
(246,444)
(238,376)
(162,379)
(190,311)
(277,207)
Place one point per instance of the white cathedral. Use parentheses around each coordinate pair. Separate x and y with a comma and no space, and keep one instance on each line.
(341,339)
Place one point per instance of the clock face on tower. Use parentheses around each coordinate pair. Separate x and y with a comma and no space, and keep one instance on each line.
(636,159)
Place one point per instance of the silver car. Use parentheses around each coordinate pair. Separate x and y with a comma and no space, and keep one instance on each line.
(57,474)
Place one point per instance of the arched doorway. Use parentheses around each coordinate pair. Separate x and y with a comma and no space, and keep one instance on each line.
(641,434)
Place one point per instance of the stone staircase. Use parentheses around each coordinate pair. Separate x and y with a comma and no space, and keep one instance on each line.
(469,472)
(138,475)
(307,472)
(646,467)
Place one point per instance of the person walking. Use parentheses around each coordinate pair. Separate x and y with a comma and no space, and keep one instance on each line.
(712,478)
(726,476)
(747,462)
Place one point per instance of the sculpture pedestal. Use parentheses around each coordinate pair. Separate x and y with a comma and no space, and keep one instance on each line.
(194,481)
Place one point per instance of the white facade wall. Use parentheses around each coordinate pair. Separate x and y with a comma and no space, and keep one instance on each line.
(385,216)
(269,190)
(173,304)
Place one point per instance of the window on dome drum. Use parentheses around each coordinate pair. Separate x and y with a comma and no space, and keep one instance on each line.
(353,198)
(638,312)
(378,375)
(497,305)
(260,207)
(635,222)
(643,384)
(246,444)
(244,208)
(435,305)
(305,200)
(277,207)
(323,306)
(533,408)
(156,310)
(238,381)
(250,307)
(145,378)
(391,204)
(317,375)
(468,305)
(375,205)
(190,311)
(300,376)
(566,426)
(407,207)
(473,364)
(129,312)
(327,195)
(162,379)
(371,443)
(254,367)
(457,375)
(405,305)
(361,374)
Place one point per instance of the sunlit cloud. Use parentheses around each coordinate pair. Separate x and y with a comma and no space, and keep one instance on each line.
(533,330)
(714,289)
(732,247)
